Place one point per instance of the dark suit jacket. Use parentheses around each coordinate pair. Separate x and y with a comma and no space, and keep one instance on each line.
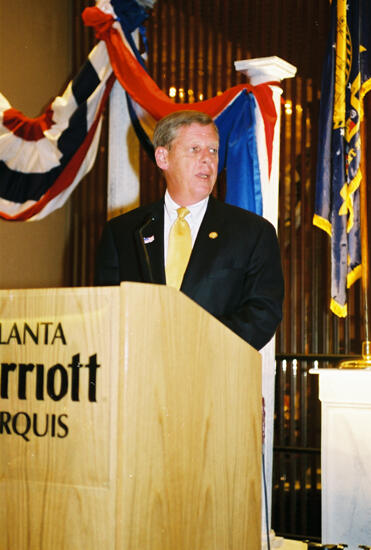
(237,276)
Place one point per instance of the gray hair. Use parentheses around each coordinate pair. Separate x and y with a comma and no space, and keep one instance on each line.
(167,128)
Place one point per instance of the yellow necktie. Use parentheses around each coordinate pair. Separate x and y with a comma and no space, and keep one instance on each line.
(179,251)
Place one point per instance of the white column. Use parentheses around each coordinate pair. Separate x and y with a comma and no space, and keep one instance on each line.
(258,71)
(345,456)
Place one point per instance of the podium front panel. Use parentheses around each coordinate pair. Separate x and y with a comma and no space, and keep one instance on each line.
(130,419)
(58,396)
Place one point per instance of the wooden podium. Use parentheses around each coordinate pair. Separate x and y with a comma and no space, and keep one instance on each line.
(130,419)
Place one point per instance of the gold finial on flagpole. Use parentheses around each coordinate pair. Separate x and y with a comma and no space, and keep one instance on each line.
(363,363)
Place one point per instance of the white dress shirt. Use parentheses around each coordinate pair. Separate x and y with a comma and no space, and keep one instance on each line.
(194,218)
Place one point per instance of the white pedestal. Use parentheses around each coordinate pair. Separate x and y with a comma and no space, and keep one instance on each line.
(346,456)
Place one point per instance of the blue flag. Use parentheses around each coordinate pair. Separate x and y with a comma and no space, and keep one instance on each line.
(345,81)
(239,155)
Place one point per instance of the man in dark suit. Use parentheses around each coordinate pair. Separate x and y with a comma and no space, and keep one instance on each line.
(234,268)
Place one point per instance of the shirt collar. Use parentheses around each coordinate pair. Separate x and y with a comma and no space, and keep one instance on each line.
(194,209)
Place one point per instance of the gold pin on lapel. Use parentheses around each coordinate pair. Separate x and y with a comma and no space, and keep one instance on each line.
(213,235)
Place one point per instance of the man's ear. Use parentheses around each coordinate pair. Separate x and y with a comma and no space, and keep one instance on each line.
(161,156)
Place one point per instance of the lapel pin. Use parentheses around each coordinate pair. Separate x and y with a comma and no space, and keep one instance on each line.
(213,235)
(148,240)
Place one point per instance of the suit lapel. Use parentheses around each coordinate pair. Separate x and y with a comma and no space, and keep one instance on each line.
(153,243)
(207,247)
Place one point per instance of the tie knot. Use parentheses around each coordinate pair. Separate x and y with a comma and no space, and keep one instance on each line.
(182,212)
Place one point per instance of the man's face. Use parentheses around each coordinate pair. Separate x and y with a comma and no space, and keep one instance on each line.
(190,166)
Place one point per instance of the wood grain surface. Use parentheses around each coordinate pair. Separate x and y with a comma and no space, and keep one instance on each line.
(167,456)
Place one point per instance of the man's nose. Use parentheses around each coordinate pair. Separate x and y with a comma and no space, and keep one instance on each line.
(206,156)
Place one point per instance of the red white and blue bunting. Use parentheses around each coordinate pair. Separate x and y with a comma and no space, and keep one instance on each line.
(43,159)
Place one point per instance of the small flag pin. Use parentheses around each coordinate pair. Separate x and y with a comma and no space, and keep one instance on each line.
(148,240)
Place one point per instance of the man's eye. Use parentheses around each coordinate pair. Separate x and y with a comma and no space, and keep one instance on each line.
(213,151)
(195,149)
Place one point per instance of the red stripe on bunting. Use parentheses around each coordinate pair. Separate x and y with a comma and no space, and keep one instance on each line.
(264,96)
(29,129)
(137,82)
(142,88)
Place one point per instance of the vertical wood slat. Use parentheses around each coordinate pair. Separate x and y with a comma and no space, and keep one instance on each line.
(204,56)
(294,275)
(301,169)
(186,39)
(213,45)
(195,34)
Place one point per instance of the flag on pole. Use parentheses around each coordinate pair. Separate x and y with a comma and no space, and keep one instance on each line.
(345,81)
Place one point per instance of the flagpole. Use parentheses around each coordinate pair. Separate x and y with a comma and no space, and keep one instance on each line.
(366,343)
